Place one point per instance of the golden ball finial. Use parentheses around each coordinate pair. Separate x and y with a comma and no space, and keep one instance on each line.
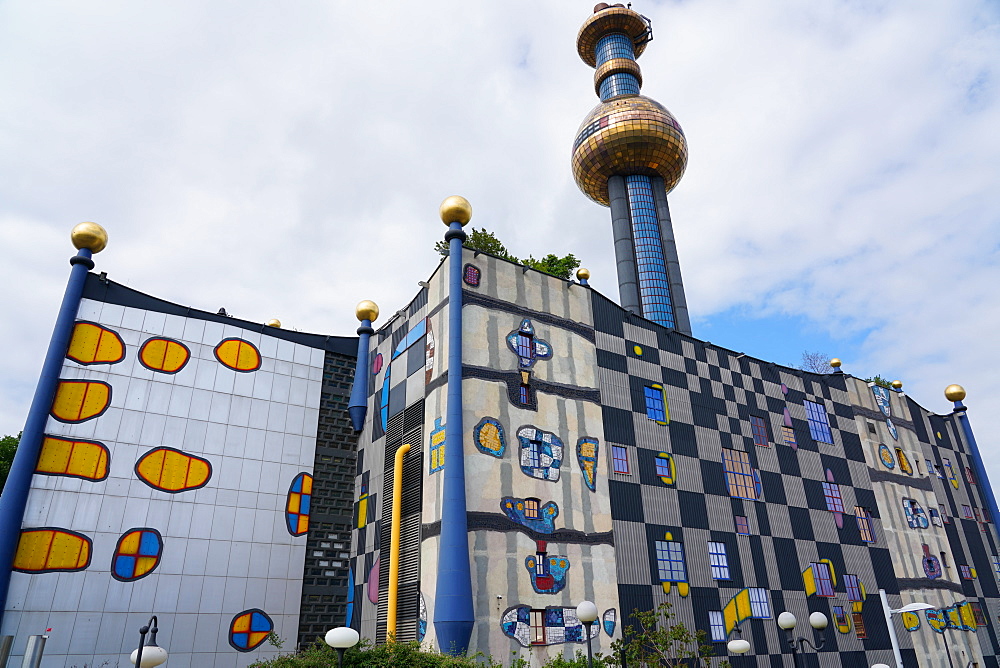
(274,322)
(456,209)
(954,393)
(897,384)
(89,235)
(835,362)
(367,310)
(583,274)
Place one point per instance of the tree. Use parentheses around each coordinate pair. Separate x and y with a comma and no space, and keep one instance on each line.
(8,446)
(879,380)
(487,242)
(656,640)
(815,362)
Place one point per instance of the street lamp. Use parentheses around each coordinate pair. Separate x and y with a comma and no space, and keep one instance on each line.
(738,645)
(586,612)
(148,654)
(817,620)
(341,638)
(889,612)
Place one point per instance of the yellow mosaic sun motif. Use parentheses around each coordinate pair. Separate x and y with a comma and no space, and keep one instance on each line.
(238,355)
(49,549)
(93,344)
(80,400)
(75,459)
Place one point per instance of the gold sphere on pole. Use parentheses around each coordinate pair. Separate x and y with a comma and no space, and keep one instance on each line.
(897,384)
(456,209)
(583,274)
(954,393)
(89,235)
(366,310)
(274,322)
(835,362)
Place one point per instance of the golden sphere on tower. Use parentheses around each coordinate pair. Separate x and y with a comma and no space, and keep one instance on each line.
(628,135)
(274,322)
(89,235)
(835,362)
(583,274)
(954,393)
(456,209)
(367,310)
(897,384)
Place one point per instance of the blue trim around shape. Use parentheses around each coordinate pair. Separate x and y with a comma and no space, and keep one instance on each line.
(15,492)
(453,612)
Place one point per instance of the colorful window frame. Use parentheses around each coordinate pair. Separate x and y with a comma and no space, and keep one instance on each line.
(967,512)
(853,585)
(670,561)
(471,275)
(834,500)
(525,345)
(823,579)
(717,626)
(819,422)
(742,525)
(656,403)
(665,468)
(537,627)
(977,613)
(788,434)
(760,604)
(531,507)
(718,560)
(859,625)
(759,429)
(966,572)
(741,479)
(865,526)
(619,460)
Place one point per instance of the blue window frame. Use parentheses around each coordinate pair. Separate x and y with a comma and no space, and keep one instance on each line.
(717,624)
(823,579)
(760,604)
(834,501)
(523,394)
(670,561)
(718,560)
(741,479)
(532,454)
(853,586)
(865,527)
(525,345)
(619,460)
(759,428)
(819,422)
(615,45)
(656,406)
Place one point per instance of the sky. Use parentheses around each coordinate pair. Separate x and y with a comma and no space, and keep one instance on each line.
(286,160)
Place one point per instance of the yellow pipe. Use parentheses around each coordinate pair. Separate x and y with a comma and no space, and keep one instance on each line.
(397,518)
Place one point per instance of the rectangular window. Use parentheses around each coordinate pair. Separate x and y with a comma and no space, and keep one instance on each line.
(537,627)
(839,617)
(760,605)
(865,527)
(977,612)
(930,466)
(743,526)
(531,508)
(944,514)
(822,578)
(975,511)
(655,404)
(871,428)
(789,435)
(718,625)
(859,625)
(970,476)
(853,586)
(619,459)
(966,571)
(523,395)
(525,346)
(819,422)
(967,512)
(718,560)
(663,467)
(759,428)
(741,479)
(670,561)
(532,456)
(834,501)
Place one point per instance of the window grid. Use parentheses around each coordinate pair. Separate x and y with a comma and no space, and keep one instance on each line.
(622,83)
(717,624)
(651,266)
(534,455)
(619,459)
(719,560)
(839,617)
(865,527)
(859,625)
(523,394)
(977,613)
(663,467)
(655,407)
(823,579)
(834,501)
(966,571)
(967,512)
(969,476)
(615,45)
(789,435)
(819,422)
(537,627)
(531,508)
(759,429)
(742,525)
(670,561)
(740,477)
(853,585)
(760,605)
(525,345)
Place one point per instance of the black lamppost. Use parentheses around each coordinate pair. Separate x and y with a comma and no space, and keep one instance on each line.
(817,620)
(341,639)
(587,613)
(148,654)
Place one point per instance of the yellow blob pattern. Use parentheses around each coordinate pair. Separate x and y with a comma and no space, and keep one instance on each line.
(80,400)
(74,459)
(50,550)
(164,355)
(238,355)
(173,471)
(93,344)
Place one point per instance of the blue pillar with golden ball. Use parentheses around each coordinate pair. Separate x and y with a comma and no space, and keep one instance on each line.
(88,238)
(955,394)
(367,313)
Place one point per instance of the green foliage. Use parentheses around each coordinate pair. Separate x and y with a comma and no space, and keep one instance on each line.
(8,446)
(275,640)
(656,640)
(879,380)
(487,242)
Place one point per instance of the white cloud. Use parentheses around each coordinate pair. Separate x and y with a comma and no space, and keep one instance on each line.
(287,160)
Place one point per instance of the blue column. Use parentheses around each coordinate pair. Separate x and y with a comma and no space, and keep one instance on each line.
(977,463)
(453,612)
(15,491)
(358,407)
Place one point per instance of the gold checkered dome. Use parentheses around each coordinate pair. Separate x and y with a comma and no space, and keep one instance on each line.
(627,133)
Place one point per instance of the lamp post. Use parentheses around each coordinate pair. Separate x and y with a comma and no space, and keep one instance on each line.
(738,645)
(341,638)
(889,612)
(586,612)
(817,620)
(148,654)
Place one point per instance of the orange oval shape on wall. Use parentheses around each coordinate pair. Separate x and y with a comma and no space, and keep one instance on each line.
(75,459)
(164,355)
(94,344)
(238,355)
(80,400)
(173,471)
(51,549)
